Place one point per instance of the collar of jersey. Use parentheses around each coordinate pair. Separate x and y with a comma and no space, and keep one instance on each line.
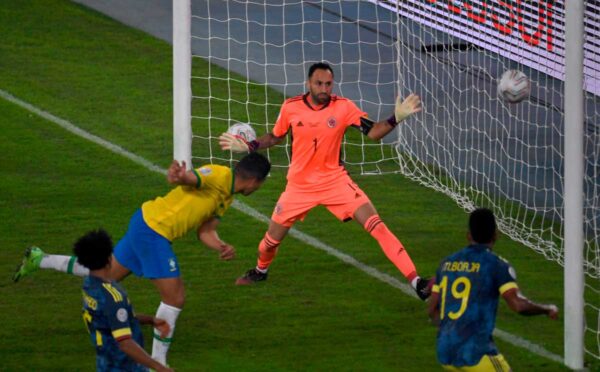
(479,246)
(98,279)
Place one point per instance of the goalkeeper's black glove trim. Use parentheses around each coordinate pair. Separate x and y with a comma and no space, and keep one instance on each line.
(253,145)
(392,121)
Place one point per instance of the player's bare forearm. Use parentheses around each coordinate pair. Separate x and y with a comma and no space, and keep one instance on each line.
(537,309)
(163,327)
(135,352)
(212,241)
(528,308)
(380,130)
(177,174)
(433,309)
(522,305)
(207,234)
(268,140)
(144,319)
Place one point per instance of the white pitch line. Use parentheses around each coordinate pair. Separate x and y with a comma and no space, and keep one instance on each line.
(305,238)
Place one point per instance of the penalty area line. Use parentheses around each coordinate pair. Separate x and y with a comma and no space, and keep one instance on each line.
(244,208)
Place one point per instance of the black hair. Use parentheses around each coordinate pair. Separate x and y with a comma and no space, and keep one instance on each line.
(482,225)
(93,250)
(253,165)
(319,66)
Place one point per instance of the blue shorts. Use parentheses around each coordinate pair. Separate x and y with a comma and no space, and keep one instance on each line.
(145,252)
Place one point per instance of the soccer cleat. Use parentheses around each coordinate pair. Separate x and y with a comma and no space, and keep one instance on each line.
(252,276)
(30,263)
(424,288)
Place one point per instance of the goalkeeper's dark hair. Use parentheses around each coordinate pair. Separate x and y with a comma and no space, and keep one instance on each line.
(482,225)
(253,165)
(319,66)
(93,250)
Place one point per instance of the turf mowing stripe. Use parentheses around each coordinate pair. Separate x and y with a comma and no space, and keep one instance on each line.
(305,238)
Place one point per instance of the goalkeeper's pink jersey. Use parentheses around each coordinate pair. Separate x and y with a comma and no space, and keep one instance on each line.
(316,136)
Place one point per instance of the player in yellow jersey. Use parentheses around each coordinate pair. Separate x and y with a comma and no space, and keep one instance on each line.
(198,202)
(317,121)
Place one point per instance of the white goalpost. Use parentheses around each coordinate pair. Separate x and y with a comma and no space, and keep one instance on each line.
(182,91)
(536,163)
(574,185)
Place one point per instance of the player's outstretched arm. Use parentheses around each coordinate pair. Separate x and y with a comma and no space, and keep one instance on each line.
(518,303)
(402,110)
(177,174)
(207,234)
(234,143)
(135,352)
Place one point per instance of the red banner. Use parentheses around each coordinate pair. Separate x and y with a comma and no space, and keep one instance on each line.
(529,32)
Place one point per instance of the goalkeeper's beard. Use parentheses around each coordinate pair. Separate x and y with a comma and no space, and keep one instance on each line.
(320,98)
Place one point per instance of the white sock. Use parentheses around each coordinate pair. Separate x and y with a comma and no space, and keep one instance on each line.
(413,282)
(66,264)
(160,345)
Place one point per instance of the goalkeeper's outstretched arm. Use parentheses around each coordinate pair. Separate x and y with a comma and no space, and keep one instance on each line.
(403,109)
(268,140)
(235,143)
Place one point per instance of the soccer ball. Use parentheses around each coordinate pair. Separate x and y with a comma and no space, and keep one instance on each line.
(513,86)
(243,130)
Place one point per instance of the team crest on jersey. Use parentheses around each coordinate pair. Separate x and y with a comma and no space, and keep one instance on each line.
(205,171)
(122,315)
(278,208)
(512,272)
(331,122)
(172,265)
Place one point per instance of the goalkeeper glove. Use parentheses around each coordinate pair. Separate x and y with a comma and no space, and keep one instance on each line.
(404,109)
(233,143)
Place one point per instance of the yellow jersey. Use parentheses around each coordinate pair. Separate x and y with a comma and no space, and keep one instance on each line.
(187,207)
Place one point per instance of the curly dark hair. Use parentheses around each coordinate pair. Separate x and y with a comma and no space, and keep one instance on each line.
(93,250)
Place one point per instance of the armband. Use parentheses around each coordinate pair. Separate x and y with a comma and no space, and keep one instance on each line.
(366,125)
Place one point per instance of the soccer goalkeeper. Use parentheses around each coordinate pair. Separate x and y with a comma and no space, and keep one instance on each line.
(198,202)
(317,121)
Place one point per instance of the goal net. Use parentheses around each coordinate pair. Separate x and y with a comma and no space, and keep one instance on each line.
(249,55)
